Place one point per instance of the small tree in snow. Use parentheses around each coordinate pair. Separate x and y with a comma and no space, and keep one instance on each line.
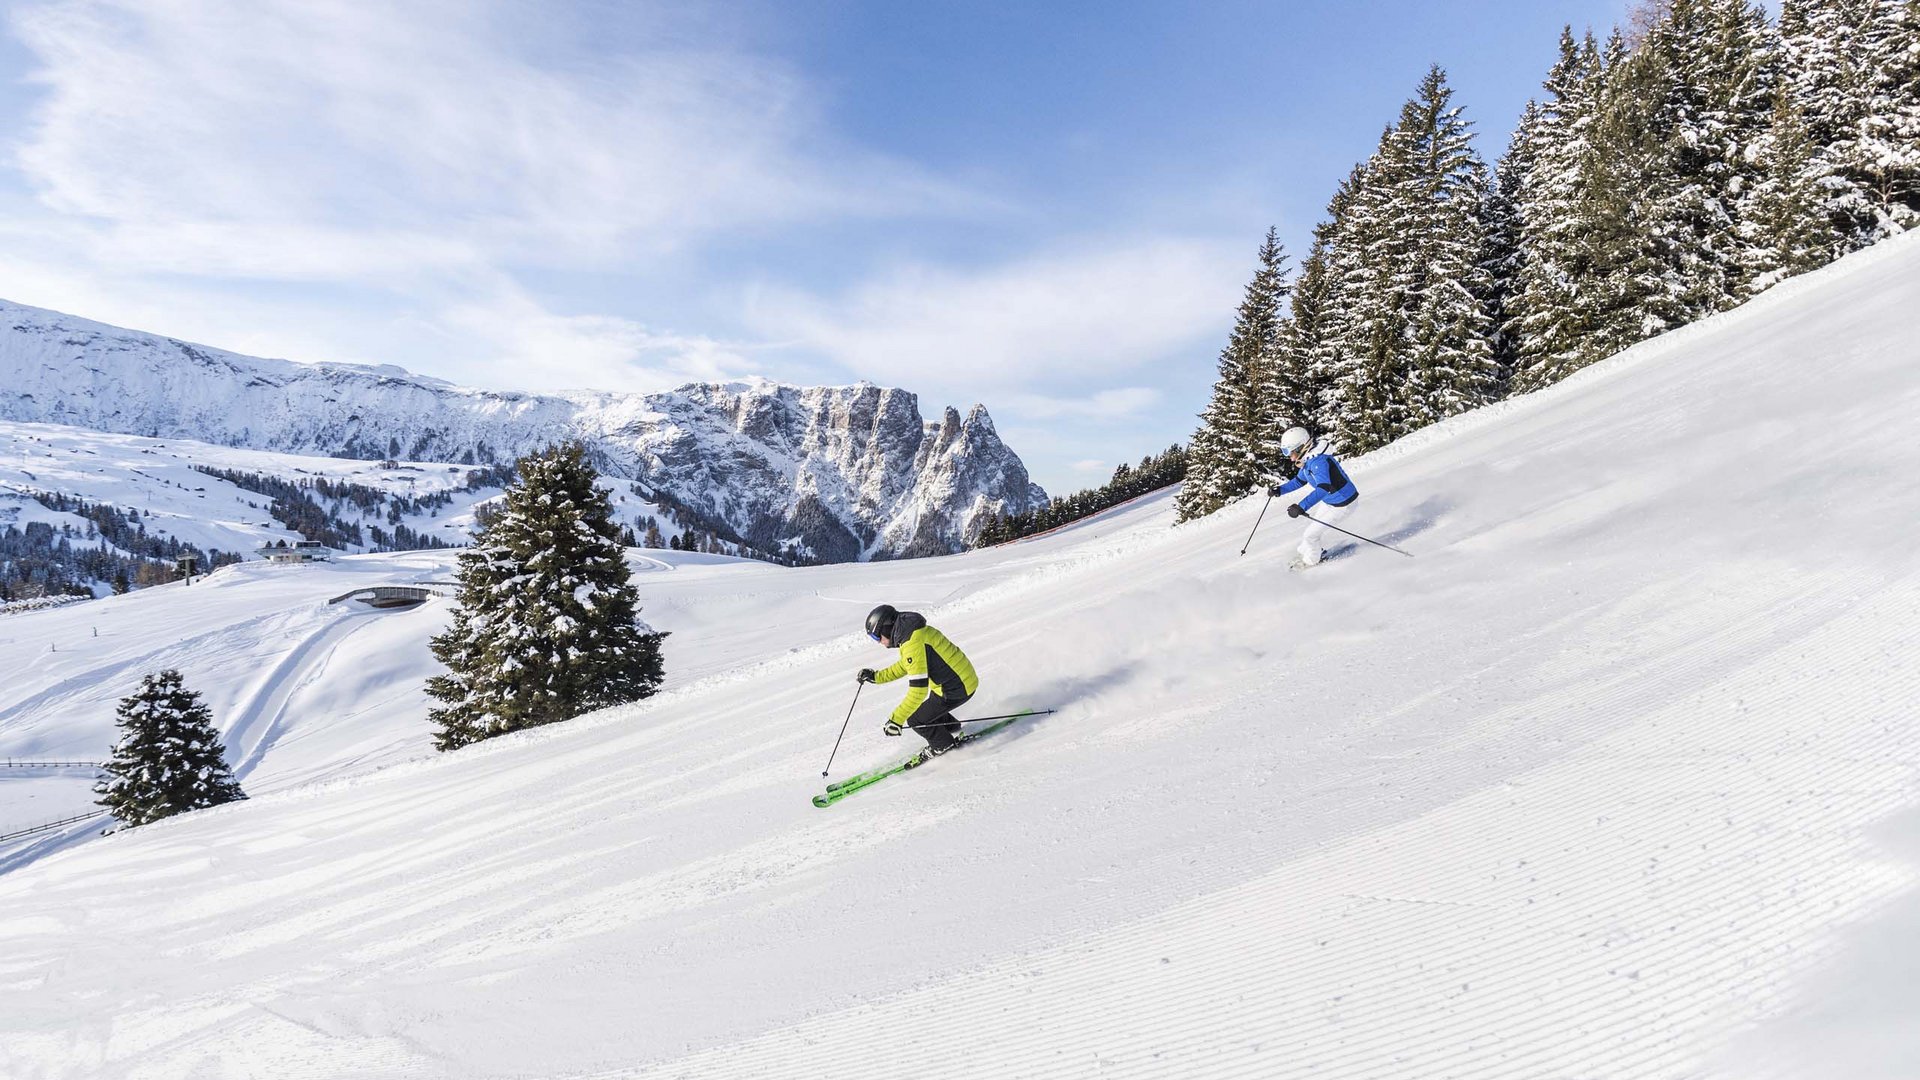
(546,626)
(169,759)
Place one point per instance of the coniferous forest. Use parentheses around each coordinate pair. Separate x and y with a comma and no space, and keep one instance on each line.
(1128,482)
(1668,172)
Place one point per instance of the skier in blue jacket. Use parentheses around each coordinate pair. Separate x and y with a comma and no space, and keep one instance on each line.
(1333,492)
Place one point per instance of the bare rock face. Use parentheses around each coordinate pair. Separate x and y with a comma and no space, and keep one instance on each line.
(841,472)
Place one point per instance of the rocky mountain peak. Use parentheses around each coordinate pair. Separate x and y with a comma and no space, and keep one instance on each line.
(841,472)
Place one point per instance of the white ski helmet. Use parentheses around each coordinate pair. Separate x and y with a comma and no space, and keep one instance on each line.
(1295,440)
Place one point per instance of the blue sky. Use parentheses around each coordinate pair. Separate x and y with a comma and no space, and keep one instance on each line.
(1048,208)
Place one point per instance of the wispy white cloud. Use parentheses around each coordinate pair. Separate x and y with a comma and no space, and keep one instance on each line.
(534,349)
(282,137)
(1116,404)
(425,156)
(1089,315)
(486,332)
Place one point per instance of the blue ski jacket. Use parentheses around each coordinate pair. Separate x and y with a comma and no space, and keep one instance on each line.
(1330,482)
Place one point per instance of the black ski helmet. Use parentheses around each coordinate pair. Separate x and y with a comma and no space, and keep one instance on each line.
(880,622)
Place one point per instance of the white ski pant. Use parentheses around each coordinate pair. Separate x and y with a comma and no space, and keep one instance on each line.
(1313,538)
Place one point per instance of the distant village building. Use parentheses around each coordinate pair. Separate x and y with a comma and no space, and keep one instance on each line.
(304,551)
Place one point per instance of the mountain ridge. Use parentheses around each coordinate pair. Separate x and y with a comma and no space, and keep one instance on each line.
(835,473)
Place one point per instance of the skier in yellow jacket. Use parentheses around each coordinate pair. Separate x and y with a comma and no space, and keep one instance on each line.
(939,676)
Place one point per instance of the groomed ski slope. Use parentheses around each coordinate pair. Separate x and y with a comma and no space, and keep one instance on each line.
(1615,779)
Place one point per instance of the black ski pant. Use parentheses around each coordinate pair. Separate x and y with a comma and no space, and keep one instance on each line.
(934,721)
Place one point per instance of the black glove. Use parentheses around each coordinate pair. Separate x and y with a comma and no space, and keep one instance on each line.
(1294,510)
(1273,492)
(865,674)
(890,728)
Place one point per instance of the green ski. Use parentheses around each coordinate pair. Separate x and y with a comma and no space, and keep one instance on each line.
(840,789)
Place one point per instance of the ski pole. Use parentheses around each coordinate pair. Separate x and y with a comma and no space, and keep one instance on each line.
(843,727)
(1256,525)
(1356,535)
(982,719)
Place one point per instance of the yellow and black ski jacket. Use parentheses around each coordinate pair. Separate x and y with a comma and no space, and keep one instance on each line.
(930,664)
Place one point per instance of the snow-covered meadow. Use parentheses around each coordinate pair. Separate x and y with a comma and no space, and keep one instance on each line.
(160,478)
(1615,778)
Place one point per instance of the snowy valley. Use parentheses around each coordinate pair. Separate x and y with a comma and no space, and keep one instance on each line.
(1617,777)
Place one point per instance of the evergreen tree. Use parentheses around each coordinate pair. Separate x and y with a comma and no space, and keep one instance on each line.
(1854,69)
(1452,363)
(1411,342)
(1789,230)
(1707,76)
(1362,353)
(1153,473)
(1550,306)
(1643,272)
(546,627)
(1502,258)
(1662,174)
(169,758)
(1322,310)
(1233,446)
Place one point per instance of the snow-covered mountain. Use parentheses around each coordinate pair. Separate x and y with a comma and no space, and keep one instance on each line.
(842,473)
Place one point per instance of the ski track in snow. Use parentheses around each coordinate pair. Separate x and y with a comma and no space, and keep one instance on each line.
(264,718)
(1588,788)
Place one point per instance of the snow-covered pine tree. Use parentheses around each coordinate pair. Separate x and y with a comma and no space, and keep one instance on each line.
(1551,304)
(1365,347)
(1291,395)
(1788,229)
(1232,450)
(1412,342)
(1717,80)
(168,759)
(1644,275)
(1272,396)
(1310,352)
(1854,69)
(1453,367)
(1895,125)
(546,627)
(1501,257)
(1666,163)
